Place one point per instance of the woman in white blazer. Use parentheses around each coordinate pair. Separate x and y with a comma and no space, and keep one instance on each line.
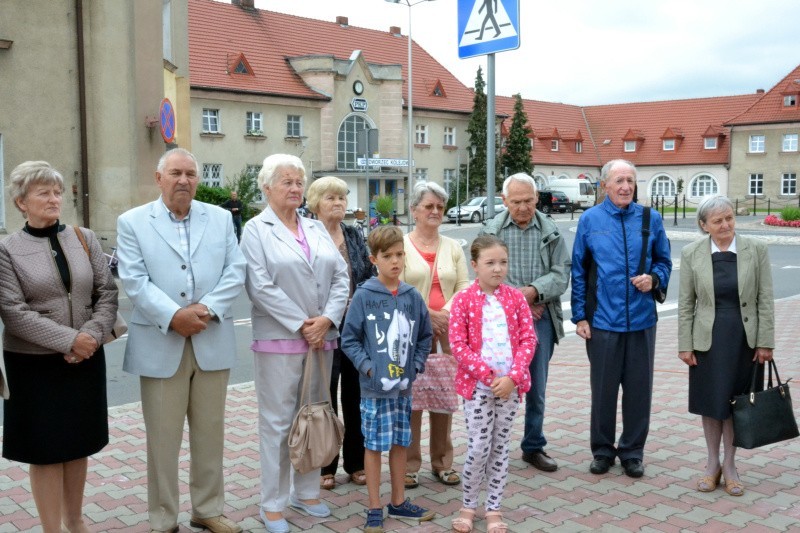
(298,284)
(725,323)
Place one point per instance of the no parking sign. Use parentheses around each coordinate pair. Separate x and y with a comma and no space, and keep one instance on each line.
(167,119)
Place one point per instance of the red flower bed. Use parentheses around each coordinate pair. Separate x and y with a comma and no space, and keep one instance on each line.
(772,220)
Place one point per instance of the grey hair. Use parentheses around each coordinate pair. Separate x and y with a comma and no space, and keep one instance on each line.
(320,186)
(711,204)
(32,173)
(423,187)
(519,177)
(273,163)
(162,162)
(614,162)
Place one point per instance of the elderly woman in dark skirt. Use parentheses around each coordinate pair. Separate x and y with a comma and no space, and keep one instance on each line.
(57,303)
(726,321)
(327,199)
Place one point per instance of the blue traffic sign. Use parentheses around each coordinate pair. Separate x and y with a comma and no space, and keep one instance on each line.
(167,120)
(487,26)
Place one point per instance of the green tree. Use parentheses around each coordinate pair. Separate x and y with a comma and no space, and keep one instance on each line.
(477,138)
(244,183)
(517,157)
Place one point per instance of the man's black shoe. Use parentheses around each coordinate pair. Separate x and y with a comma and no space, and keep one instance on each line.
(633,467)
(601,464)
(539,459)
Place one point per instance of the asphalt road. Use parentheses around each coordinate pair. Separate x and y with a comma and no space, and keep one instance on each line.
(124,388)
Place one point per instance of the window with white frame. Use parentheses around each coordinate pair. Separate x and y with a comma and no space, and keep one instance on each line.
(578,147)
(252,172)
(789,183)
(347,141)
(790,100)
(704,185)
(755,184)
(421,174)
(790,142)
(421,134)
(710,143)
(629,146)
(212,174)
(757,143)
(211,121)
(663,186)
(449,136)
(554,145)
(449,180)
(254,123)
(294,126)
(532,143)
(668,145)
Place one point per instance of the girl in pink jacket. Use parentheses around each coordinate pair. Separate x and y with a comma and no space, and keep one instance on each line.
(493,340)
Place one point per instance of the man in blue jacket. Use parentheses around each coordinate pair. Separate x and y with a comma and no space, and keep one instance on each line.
(614,309)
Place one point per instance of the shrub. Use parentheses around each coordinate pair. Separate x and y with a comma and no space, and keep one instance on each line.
(212,195)
(789,213)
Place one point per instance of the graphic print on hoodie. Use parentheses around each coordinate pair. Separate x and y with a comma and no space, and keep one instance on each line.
(387,335)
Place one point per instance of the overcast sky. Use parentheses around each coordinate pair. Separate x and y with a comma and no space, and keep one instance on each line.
(589,52)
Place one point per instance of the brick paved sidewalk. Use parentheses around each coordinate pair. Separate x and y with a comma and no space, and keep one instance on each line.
(570,499)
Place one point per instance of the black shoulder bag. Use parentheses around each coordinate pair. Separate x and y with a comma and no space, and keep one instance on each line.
(659,294)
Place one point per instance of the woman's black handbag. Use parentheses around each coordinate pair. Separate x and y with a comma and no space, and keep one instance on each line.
(763,417)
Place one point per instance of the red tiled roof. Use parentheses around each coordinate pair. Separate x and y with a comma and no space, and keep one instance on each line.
(770,109)
(220,31)
(549,121)
(647,122)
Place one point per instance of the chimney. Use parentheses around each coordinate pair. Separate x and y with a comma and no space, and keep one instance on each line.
(394,30)
(245,4)
(342,21)
(759,91)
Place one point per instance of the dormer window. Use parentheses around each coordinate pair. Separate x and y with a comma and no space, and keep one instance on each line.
(438,89)
(790,100)
(630,146)
(554,145)
(578,147)
(710,143)
(240,65)
(668,145)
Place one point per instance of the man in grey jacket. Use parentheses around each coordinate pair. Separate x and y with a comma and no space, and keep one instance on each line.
(539,266)
(182,269)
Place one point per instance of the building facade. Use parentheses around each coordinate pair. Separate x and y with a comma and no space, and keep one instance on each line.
(81,85)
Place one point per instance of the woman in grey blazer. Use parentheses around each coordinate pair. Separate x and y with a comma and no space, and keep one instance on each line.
(298,284)
(725,323)
(58,301)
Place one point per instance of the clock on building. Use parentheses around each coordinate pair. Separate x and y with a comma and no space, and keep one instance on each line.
(358,87)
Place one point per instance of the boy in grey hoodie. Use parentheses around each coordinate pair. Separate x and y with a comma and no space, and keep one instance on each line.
(387,334)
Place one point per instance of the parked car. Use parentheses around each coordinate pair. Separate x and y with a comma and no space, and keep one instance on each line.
(580,191)
(553,201)
(475,210)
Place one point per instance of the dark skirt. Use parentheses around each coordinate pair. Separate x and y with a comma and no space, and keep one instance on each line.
(724,370)
(57,411)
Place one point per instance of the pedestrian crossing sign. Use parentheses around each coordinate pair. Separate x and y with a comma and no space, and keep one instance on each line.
(487,26)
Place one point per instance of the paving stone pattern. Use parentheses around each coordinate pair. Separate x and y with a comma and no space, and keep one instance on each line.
(568,500)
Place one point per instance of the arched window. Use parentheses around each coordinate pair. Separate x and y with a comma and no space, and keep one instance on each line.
(347,155)
(703,185)
(663,186)
(541,181)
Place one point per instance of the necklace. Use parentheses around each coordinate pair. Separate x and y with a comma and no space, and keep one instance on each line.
(429,244)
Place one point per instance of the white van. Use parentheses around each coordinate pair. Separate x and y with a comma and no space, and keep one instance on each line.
(579,191)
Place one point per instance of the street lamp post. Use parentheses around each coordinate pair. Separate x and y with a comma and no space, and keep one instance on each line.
(410,184)
(470,155)
(458,188)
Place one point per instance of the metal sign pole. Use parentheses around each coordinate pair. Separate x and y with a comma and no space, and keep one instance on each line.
(490,142)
